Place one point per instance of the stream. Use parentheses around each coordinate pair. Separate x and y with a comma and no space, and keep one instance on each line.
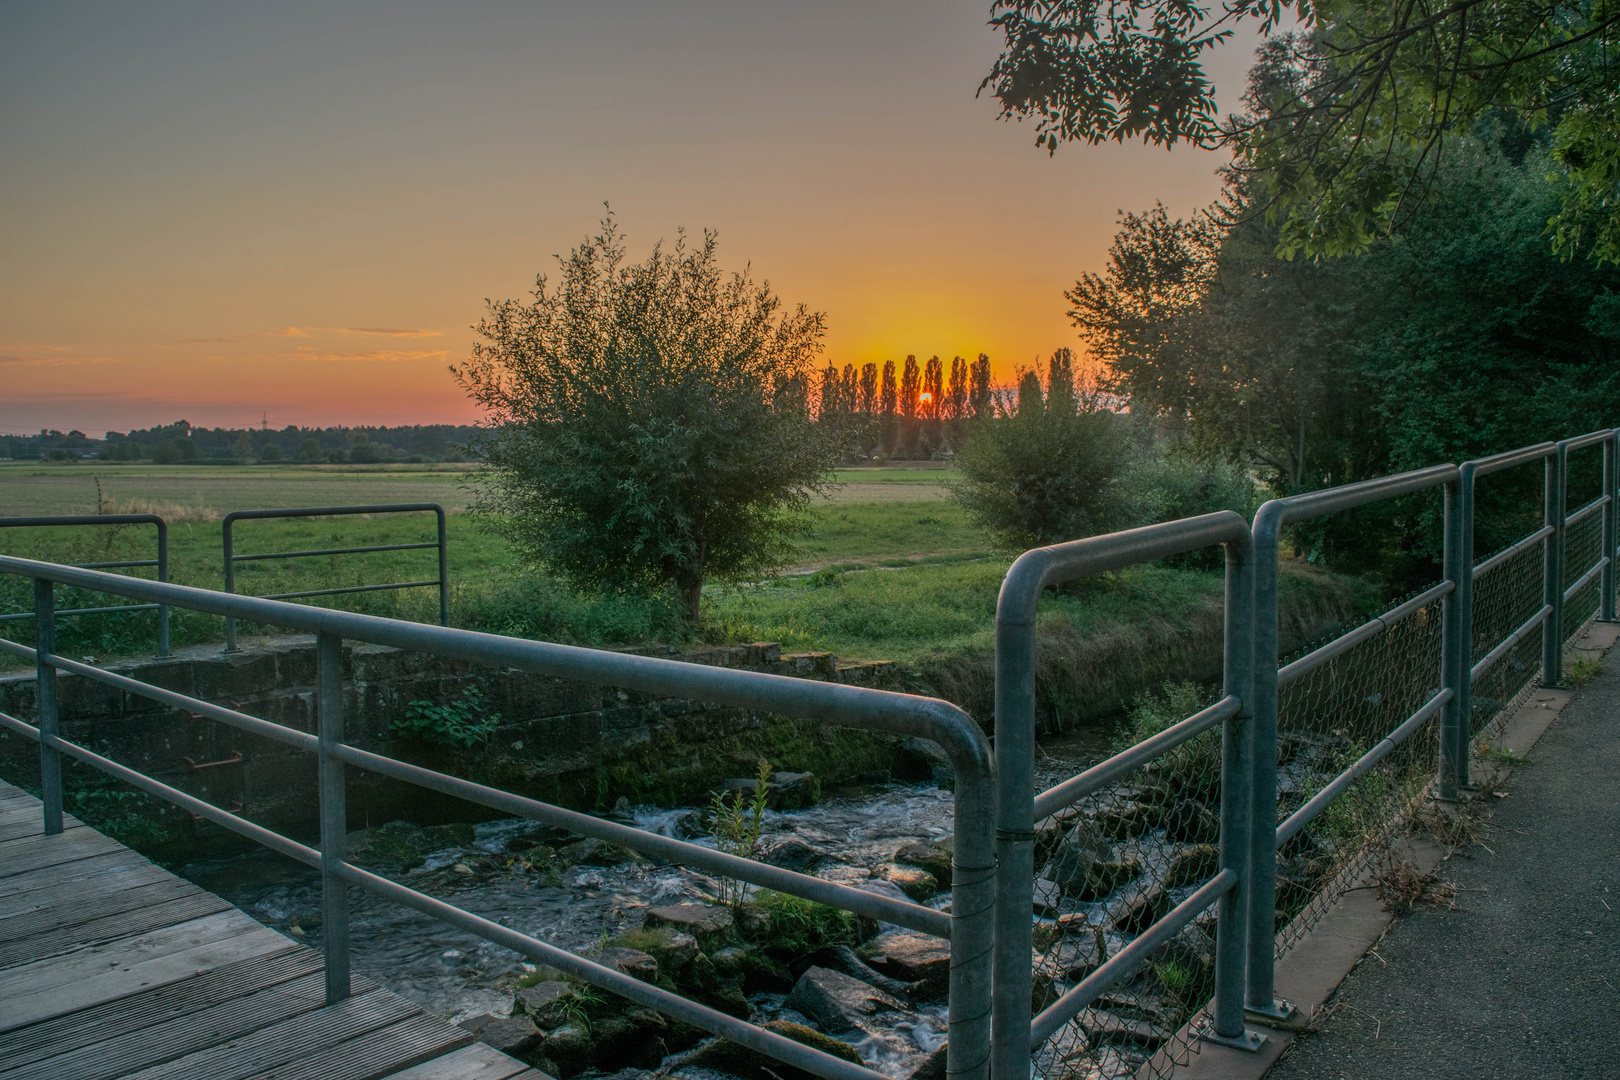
(453,974)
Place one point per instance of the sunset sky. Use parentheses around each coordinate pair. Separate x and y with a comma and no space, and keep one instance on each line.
(218,211)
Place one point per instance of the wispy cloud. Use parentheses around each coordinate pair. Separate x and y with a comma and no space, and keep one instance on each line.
(15,359)
(364,331)
(374,356)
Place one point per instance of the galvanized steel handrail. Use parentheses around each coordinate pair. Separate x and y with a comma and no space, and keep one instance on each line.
(161,562)
(968,925)
(231,558)
(1336,787)
(1016,806)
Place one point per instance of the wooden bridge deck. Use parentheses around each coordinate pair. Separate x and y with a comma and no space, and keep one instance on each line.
(111,967)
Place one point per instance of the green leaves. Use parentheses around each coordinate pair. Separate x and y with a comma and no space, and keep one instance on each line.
(649,423)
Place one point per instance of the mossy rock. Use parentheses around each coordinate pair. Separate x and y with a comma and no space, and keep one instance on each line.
(725,1056)
(404,844)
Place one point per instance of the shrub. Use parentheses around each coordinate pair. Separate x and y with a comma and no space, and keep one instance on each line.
(1052,468)
(462,722)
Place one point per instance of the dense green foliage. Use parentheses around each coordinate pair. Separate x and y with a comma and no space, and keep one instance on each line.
(1345,134)
(1063,463)
(649,423)
(1464,336)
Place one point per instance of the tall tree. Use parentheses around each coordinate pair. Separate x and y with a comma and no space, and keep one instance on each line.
(910,389)
(933,388)
(1351,133)
(648,423)
(980,395)
(956,398)
(869,385)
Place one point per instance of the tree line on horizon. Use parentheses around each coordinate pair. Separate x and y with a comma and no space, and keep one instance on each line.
(181,443)
(919,414)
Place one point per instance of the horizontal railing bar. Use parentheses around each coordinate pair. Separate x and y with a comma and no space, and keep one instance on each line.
(331,511)
(290,736)
(20,650)
(877,710)
(80,519)
(258,833)
(1585,579)
(111,565)
(1104,773)
(1589,439)
(1092,986)
(350,589)
(85,611)
(1302,817)
(738,1031)
(1508,642)
(872,905)
(1508,458)
(1586,511)
(1335,499)
(1508,552)
(1371,628)
(335,551)
(766,1042)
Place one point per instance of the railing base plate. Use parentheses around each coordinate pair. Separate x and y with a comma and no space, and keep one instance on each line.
(1278,1012)
(1250,1041)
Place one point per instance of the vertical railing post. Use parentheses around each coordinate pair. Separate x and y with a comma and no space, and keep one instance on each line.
(444,571)
(163,575)
(334,814)
(230,582)
(1606,612)
(1463,663)
(49,704)
(1237,767)
(1552,568)
(1453,721)
(1012,980)
(1261,997)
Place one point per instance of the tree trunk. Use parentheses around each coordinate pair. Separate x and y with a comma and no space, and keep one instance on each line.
(692,597)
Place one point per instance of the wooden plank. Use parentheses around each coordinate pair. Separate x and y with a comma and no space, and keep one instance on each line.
(61,908)
(137,1012)
(375,1054)
(33,825)
(58,942)
(35,992)
(278,1044)
(37,852)
(61,883)
(475,1062)
(175,1038)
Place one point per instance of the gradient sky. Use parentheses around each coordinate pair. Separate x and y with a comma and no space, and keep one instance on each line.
(222,210)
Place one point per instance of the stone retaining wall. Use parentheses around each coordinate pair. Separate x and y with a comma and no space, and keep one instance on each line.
(568,742)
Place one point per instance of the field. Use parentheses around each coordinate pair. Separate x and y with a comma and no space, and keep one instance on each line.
(206,492)
(888,569)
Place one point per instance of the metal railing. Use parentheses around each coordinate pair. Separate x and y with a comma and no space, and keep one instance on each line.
(161,563)
(1351,711)
(968,925)
(231,558)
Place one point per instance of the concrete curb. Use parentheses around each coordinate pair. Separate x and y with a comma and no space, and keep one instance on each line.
(1312,970)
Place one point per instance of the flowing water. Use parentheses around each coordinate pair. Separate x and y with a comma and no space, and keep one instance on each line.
(456,975)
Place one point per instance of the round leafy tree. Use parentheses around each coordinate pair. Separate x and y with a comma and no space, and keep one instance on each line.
(648,424)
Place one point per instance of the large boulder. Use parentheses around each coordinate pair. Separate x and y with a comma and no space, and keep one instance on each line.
(1194,866)
(836,1001)
(791,853)
(1081,847)
(514,1035)
(670,947)
(592,852)
(631,962)
(1141,911)
(935,860)
(911,957)
(710,926)
(917,884)
(550,1004)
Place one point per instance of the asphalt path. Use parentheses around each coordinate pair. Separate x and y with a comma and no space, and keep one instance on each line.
(1522,980)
